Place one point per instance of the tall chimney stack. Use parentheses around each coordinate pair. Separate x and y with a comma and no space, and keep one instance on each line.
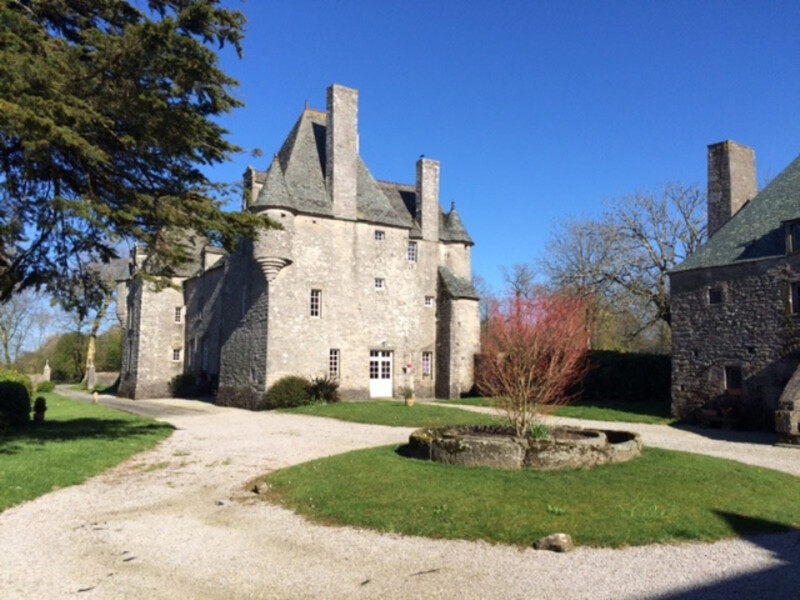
(427,209)
(731,181)
(341,148)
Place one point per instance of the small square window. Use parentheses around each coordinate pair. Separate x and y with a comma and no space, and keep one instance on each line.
(380,235)
(733,380)
(333,363)
(176,354)
(412,252)
(715,295)
(428,300)
(178,312)
(316,303)
(380,283)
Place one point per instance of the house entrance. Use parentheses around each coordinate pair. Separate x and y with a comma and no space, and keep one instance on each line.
(380,374)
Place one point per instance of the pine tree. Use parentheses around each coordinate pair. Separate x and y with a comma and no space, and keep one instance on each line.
(107,112)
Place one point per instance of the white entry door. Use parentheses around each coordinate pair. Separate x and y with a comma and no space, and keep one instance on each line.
(380,374)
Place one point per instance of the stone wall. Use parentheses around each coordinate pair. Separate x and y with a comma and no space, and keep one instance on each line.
(244,329)
(203,296)
(152,336)
(751,329)
(343,259)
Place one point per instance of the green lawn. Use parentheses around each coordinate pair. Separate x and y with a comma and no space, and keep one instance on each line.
(75,442)
(384,412)
(663,496)
(627,412)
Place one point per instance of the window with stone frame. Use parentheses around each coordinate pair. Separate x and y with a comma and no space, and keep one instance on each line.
(427,364)
(380,283)
(380,235)
(412,251)
(333,363)
(176,354)
(733,380)
(793,237)
(316,303)
(716,295)
(428,300)
(178,312)
(794,297)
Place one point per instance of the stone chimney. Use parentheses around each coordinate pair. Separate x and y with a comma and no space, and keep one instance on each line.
(731,181)
(427,209)
(251,187)
(341,148)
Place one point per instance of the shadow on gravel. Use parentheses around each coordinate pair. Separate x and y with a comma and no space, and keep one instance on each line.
(775,583)
(75,429)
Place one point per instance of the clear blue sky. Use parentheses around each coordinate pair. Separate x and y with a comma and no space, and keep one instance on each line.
(537,110)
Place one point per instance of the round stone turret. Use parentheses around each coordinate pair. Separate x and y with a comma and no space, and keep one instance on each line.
(272,250)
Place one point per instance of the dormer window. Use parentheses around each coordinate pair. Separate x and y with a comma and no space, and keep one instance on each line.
(793,237)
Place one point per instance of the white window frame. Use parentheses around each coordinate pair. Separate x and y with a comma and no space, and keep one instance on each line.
(427,364)
(315,303)
(334,363)
(380,284)
(428,300)
(380,235)
(176,355)
(411,253)
(178,314)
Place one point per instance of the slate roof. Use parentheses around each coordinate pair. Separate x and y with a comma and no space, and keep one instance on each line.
(456,287)
(756,231)
(296,181)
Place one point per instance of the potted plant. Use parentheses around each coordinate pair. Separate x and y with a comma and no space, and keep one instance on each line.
(39,408)
(408,396)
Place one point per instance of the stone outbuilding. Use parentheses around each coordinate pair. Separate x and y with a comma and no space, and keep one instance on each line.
(368,282)
(735,302)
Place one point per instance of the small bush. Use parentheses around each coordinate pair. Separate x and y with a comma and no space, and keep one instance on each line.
(46,386)
(40,404)
(324,389)
(182,385)
(39,408)
(287,392)
(16,376)
(15,403)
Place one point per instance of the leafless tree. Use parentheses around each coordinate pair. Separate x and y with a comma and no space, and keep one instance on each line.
(23,315)
(520,280)
(623,258)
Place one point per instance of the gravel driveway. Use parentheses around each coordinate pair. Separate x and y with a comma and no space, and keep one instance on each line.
(178,522)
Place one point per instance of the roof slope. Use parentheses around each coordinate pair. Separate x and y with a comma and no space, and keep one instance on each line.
(756,231)
(296,181)
(457,287)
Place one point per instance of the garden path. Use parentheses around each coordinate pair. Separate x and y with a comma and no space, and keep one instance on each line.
(179,521)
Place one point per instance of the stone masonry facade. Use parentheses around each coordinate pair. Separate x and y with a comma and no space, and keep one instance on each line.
(367,281)
(735,303)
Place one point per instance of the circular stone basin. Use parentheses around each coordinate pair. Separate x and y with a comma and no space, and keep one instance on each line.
(498,447)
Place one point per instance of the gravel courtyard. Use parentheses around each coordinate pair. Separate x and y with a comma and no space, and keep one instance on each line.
(179,522)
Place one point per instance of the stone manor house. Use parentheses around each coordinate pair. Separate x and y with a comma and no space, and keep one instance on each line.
(368,281)
(736,301)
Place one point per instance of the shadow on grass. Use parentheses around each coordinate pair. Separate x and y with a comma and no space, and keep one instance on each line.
(77,429)
(651,409)
(728,435)
(782,581)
